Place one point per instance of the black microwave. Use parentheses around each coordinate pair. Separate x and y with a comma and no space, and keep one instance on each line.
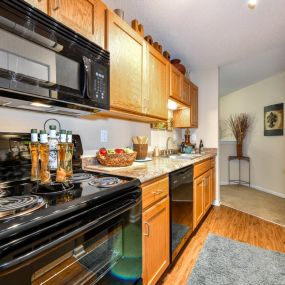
(46,66)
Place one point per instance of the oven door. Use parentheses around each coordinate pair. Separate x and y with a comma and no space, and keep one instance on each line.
(106,252)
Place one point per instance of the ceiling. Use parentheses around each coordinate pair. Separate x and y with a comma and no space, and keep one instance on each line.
(238,75)
(209,33)
(247,45)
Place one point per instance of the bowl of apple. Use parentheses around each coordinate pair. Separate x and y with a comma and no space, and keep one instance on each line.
(116,157)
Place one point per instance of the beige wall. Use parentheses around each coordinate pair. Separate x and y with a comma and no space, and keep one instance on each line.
(267,153)
(119,131)
(208,103)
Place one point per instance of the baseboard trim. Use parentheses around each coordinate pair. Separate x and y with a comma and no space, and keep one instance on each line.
(216,202)
(281,195)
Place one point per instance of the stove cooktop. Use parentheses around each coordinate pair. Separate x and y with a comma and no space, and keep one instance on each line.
(23,198)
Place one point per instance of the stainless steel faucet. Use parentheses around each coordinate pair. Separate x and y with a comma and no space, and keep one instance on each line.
(167,142)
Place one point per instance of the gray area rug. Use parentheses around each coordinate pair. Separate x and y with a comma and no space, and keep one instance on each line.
(224,261)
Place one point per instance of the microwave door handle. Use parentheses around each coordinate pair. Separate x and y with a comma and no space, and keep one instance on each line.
(86,69)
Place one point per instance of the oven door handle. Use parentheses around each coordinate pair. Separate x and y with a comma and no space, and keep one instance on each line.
(86,71)
(25,258)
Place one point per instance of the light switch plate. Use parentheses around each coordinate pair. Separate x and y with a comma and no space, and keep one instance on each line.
(104,136)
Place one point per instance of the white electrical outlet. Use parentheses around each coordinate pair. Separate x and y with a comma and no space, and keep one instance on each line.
(104,136)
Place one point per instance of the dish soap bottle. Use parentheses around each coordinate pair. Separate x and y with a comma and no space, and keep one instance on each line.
(53,146)
(44,157)
(201,147)
(62,153)
(70,146)
(34,149)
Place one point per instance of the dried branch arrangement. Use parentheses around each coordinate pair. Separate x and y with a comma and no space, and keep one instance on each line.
(239,124)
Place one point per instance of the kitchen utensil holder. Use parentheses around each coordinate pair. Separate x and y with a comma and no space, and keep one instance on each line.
(141,150)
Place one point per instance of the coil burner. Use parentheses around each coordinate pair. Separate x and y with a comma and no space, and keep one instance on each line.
(19,205)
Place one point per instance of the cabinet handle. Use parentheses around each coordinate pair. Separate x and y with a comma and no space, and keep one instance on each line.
(158,192)
(56,5)
(148,229)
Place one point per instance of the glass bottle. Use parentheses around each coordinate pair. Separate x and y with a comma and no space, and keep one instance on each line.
(34,150)
(70,146)
(61,159)
(53,146)
(44,158)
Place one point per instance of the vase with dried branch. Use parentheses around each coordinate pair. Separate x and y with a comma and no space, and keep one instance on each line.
(239,124)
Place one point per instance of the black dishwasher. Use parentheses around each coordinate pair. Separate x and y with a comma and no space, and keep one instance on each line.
(181,208)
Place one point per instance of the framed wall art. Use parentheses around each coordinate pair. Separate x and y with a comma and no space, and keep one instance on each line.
(274,120)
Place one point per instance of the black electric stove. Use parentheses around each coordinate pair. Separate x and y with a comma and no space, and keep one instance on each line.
(35,218)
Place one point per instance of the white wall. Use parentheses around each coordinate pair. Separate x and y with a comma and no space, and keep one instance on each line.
(208,104)
(267,153)
(119,131)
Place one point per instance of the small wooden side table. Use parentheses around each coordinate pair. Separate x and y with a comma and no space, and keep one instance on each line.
(239,181)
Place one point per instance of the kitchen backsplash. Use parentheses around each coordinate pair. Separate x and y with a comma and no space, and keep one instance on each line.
(119,132)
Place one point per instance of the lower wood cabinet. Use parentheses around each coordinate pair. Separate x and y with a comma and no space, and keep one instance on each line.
(156,232)
(203,189)
(39,4)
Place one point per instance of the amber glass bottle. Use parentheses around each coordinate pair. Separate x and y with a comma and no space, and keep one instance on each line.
(69,168)
(61,159)
(44,158)
(34,149)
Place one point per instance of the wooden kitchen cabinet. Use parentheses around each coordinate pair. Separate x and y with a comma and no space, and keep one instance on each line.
(198,197)
(156,230)
(86,17)
(193,106)
(203,189)
(39,4)
(156,98)
(155,241)
(185,90)
(175,83)
(127,65)
(181,118)
(207,190)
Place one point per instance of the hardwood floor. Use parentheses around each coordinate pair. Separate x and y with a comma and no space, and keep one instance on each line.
(232,224)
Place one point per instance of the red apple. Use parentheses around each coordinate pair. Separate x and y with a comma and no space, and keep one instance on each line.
(119,150)
(103,151)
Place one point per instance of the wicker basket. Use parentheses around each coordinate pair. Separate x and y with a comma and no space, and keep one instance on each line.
(117,160)
(141,150)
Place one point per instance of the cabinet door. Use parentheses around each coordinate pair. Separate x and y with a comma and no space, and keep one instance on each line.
(198,197)
(207,190)
(155,241)
(194,106)
(86,17)
(39,4)
(175,83)
(156,98)
(128,65)
(181,118)
(185,90)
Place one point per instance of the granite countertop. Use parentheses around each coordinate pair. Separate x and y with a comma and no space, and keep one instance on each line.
(145,171)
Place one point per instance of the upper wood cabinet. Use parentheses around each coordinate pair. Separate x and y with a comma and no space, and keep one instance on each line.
(39,4)
(156,97)
(193,106)
(127,65)
(185,90)
(86,17)
(175,83)
(181,118)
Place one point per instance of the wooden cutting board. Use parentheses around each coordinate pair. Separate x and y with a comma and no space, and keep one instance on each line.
(102,168)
